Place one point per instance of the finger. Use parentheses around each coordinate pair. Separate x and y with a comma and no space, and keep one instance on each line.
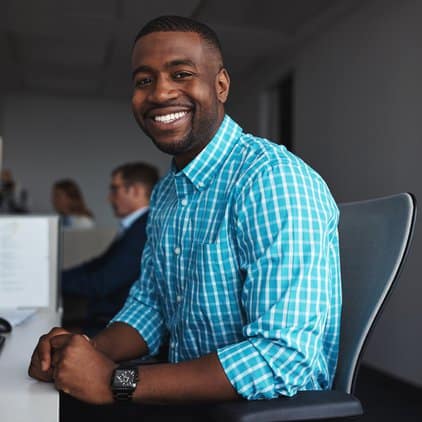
(43,351)
(43,348)
(58,380)
(55,359)
(35,371)
(65,390)
(60,341)
(55,375)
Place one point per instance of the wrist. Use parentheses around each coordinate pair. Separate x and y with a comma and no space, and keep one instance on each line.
(105,393)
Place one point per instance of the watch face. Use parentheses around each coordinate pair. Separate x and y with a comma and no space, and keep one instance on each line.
(124,378)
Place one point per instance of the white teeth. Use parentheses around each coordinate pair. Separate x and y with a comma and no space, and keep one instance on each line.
(168,118)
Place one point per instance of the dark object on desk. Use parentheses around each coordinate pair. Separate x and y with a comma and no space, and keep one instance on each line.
(2,340)
(5,326)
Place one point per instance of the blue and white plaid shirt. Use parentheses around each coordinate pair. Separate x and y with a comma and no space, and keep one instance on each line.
(242,259)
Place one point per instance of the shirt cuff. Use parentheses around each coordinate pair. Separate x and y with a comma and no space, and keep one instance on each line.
(247,371)
(148,323)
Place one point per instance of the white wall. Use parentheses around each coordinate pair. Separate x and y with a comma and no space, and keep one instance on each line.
(49,138)
(358,122)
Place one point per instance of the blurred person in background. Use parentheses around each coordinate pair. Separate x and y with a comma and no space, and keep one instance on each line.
(68,201)
(13,199)
(105,280)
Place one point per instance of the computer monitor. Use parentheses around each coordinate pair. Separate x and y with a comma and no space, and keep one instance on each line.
(29,261)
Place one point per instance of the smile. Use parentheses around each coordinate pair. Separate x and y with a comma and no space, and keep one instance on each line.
(171,117)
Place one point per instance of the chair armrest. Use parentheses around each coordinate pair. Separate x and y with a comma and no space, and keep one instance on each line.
(306,405)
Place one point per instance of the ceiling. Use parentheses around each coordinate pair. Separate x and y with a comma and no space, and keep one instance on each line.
(83,47)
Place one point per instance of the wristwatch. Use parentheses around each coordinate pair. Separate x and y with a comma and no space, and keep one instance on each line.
(123,383)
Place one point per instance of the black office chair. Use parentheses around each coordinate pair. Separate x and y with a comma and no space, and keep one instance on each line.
(374,240)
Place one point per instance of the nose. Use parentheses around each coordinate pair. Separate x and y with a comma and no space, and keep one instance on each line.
(163,90)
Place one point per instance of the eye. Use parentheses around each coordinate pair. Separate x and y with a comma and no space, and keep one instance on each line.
(182,75)
(142,82)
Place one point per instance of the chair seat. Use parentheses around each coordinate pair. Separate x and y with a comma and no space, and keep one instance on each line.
(306,405)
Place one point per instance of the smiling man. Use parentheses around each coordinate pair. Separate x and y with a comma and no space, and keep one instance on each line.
(241,267)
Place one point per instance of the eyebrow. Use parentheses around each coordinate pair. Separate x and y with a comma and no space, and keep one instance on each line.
(172,63)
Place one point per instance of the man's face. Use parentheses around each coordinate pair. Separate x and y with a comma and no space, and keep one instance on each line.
(179,91)
(122,197)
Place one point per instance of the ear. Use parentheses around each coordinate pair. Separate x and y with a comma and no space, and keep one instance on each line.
(222,85)
(139,190)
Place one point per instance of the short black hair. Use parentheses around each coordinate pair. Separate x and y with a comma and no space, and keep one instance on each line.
(138,172)
(181,24)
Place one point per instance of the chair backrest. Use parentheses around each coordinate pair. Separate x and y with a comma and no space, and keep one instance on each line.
(83,244)
(374,239)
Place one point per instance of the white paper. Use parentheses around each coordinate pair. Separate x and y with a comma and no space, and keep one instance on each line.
(17,316)
(24,262)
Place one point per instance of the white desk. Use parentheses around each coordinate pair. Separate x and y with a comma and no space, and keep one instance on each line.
(23,399)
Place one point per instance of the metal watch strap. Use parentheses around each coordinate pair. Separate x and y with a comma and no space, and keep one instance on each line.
(122,396)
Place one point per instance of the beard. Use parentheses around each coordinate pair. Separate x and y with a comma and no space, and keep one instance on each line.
(177,147)
(199,135)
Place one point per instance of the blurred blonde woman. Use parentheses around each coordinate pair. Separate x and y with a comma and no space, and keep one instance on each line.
(68,201)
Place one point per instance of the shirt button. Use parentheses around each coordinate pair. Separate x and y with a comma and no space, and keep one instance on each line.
(184,202)
(177,251)
(179,298)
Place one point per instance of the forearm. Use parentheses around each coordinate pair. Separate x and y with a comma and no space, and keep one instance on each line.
(201,379)
(120,341)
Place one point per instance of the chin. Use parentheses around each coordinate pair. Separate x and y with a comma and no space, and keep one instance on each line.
(174,146)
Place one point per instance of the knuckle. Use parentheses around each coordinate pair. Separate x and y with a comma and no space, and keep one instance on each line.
(43,338)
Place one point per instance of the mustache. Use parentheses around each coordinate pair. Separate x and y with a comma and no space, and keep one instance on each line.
(169,104)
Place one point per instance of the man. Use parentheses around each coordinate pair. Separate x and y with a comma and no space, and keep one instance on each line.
(241,266)
(105,281)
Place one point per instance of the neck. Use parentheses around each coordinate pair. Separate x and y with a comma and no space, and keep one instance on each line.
(182,160)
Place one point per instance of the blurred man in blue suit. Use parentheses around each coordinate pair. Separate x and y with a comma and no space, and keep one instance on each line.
(105,280)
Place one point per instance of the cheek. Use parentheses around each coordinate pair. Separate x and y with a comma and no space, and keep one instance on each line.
(136,105)
(205,96)
(138,99)
(122,203)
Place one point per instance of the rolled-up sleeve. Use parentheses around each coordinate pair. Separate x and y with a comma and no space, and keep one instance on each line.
(288,249)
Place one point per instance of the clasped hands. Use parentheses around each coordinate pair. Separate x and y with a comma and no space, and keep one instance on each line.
(75,366)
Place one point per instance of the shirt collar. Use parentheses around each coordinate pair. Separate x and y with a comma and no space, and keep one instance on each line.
(202,169)
(127,221)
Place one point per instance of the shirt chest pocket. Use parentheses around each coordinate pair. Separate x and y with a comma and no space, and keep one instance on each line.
(213,269)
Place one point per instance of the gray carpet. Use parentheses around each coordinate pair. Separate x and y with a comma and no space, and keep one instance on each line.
(386,399)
